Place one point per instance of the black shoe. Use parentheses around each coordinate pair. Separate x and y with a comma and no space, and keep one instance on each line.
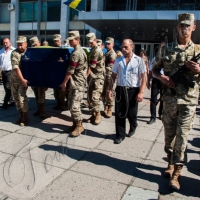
(118,140)
(131,132)
(152,120)
(160,117)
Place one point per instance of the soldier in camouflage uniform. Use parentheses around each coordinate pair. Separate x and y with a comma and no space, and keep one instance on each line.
(58,93)
(180,98)
(38,91)
(110,58)
(96,71)
(77,74)
(19,85)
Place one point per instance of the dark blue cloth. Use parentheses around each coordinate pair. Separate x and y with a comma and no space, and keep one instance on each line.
(45,67)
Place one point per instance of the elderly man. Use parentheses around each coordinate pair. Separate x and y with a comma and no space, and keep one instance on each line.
(95,72)
(131,83)
(6,67)
(77,74)
(19,85)
(180,97)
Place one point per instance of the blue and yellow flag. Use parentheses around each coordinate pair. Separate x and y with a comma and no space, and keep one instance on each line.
(72,3)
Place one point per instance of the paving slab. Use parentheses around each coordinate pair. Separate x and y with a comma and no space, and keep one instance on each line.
(43,130)
(129,146)
(3,133)
(89,139)
(23,178)
(107,165)
(140,194)
(146,133)
(55,154)
(73,186)
(15,142)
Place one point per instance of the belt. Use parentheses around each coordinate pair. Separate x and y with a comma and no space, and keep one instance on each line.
(6,70)
(128,88)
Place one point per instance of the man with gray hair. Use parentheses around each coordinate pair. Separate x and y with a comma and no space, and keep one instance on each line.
(180,97)
(131,83)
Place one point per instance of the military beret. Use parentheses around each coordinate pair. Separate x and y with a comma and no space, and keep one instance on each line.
(90,37)
(186,18)
(21,39)
(73,34)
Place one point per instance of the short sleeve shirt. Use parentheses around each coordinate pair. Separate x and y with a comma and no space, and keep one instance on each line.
(129,75)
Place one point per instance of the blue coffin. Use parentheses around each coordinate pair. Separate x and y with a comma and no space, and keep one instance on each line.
(45,67)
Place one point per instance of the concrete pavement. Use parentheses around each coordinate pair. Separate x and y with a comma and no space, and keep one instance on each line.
(41,162)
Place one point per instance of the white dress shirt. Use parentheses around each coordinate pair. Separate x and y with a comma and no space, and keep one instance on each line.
(5,60)
(129,75)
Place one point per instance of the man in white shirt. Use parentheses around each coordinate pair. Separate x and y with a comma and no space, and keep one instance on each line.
(131,83)
(6,67)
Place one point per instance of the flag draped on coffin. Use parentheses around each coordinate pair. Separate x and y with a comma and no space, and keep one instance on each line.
(72,3)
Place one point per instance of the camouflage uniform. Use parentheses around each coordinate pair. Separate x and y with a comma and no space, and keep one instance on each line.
(95,86)
(179,106)
(17,89)
(110,58)
(78,70)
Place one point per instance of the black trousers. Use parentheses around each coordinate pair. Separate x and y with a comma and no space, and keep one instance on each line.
(126,106)
(6,84)
(156,88)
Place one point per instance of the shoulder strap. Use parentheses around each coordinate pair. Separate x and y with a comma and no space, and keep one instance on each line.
(196,49)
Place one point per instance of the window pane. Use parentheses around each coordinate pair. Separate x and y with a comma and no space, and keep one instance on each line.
(26,12)
(4,13)
(44,11)
(53,10)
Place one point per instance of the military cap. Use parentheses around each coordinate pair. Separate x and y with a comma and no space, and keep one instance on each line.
(45,43)
(99,42)
(90,37)
(21,39)
(34,41)
(109,40)
(56,37)
(73,34)
(186,18)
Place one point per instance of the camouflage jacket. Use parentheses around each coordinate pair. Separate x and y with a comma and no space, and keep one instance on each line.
(171,61)
(78,67)
(110,58)
(16,63)
(97,63)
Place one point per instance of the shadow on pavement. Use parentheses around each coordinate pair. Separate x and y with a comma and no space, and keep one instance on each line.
(188,184)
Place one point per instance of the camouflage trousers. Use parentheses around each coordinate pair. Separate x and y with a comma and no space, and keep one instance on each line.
(106,100)
(39,94)
(59,95)
(177,121)
(95,89)
(20,97)
(74,101)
